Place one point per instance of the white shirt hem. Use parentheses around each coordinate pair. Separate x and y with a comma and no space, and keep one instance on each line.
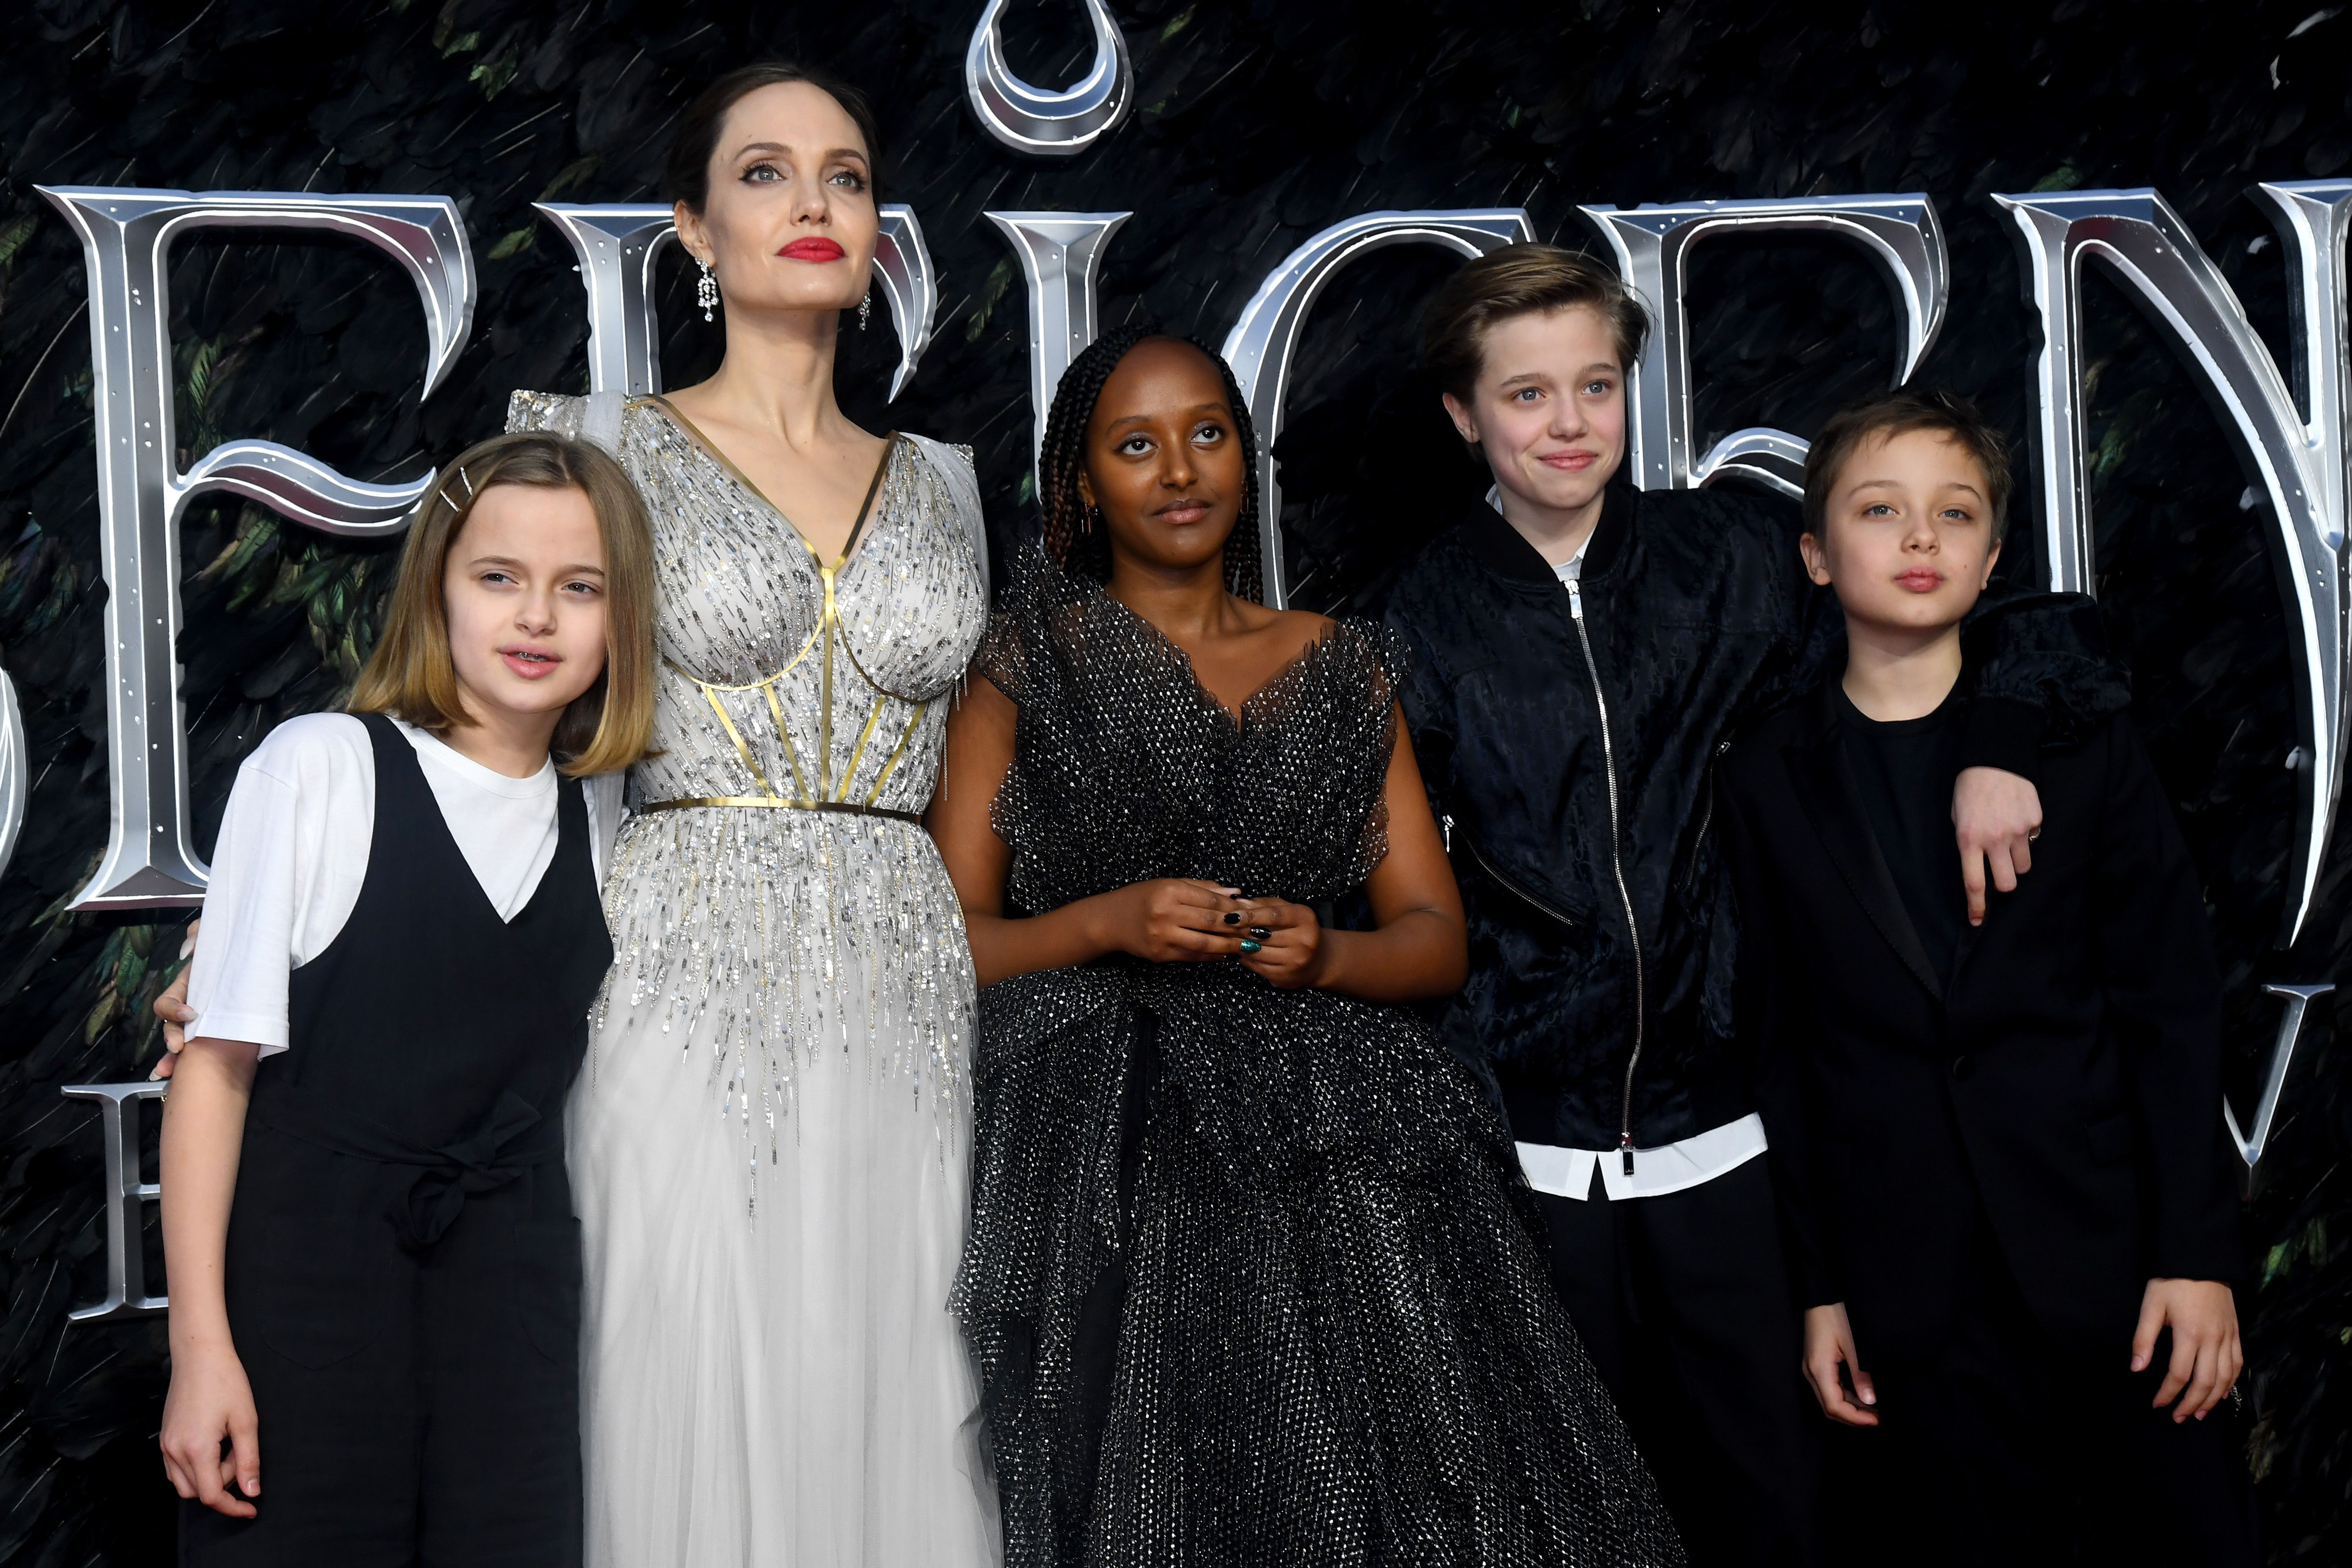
(1669,1168)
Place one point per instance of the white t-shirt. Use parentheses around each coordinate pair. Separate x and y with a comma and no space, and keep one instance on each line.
(293,853)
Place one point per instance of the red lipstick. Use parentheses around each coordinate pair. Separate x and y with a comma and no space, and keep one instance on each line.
(813,248)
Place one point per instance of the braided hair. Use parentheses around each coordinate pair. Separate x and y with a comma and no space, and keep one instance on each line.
(1084,550)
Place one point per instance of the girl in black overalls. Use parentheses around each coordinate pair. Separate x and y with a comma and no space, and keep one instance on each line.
(373,1261)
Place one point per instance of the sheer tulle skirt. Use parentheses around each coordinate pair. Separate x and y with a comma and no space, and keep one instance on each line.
(770,1376)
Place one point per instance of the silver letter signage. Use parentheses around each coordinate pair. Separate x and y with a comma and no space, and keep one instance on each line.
(1032,120)
(13,773)
(126,239)
(2298,999)
(1653,243)
(2300,461)
(128,1194)
(1060,254)
(617,244)
(1261,344)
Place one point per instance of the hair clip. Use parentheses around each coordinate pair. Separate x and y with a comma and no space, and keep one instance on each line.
(463,479)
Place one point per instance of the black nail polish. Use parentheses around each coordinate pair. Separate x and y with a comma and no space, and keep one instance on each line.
(1232,917)
(1260,932)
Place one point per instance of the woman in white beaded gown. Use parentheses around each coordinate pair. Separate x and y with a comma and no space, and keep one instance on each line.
(770,1141)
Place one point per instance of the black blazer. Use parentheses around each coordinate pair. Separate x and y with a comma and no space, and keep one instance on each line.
(2067,1077)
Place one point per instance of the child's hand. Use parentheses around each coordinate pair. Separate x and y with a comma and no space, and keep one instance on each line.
(1829,1343)
(1996,815)
(2206,1357)
(172,1007)
(210,1399)
(1290,953)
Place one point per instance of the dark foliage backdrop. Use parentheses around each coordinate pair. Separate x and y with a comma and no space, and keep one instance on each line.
(1258,123)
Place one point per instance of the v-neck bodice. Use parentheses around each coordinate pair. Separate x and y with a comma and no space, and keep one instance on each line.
(751,486)
(782,677)
(1126,768)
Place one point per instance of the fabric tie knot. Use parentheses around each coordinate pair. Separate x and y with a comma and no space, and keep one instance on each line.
(472,1165)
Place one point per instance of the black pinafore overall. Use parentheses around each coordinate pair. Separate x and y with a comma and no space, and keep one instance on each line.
(403,1265)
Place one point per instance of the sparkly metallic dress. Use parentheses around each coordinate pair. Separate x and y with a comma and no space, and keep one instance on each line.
(769,1143)
(1338,1344)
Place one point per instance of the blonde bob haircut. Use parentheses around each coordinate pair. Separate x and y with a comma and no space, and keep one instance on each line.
(410,674)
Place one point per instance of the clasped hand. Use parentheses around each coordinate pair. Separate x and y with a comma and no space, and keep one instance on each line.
(1176,920)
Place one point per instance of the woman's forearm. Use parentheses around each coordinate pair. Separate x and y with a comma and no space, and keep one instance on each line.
(1058,939)
(203,1135)
(1420,954)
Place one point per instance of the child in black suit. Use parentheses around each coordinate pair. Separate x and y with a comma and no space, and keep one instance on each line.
(1997,1146)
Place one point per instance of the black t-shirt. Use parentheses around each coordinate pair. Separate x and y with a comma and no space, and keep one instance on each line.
(1905,769)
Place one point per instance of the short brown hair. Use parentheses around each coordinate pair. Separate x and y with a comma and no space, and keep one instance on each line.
(688,175)
(1523,280)
(1897,414)
(411,676)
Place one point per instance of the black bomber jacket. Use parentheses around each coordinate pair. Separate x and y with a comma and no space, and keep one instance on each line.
(1568,741)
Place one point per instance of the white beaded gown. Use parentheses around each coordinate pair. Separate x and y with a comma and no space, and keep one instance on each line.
(770,1141)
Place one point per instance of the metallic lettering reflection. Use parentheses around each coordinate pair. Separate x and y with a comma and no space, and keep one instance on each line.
(1653,243)
(1048,123)
(1260,346)
(1060,256)
(2298,459)
(126,236)
(128,1194)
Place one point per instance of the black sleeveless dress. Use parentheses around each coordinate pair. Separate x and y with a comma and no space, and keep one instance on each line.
(1250,1275)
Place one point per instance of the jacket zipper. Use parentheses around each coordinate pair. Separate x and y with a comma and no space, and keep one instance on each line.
(1706,821)
(1508,886)
(1617,867)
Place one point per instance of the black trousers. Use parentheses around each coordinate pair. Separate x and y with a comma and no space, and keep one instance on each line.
(2009,1449)
(417,1409)
(1684,1304)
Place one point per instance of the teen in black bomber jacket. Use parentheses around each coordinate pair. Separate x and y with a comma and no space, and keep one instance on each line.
(1582,650)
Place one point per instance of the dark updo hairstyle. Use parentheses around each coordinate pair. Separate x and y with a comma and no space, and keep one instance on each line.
(1084,551)
(1523,280)
(687,178)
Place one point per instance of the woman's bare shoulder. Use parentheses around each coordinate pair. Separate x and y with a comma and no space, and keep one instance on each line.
(1297,629)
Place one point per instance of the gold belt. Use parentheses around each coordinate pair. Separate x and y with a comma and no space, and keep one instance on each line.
(844,808)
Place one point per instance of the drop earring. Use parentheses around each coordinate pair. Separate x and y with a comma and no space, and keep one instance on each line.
(864,309)
(1088,518)
(706,289)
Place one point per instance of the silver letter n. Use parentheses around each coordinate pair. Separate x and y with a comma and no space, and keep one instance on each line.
(2300,461)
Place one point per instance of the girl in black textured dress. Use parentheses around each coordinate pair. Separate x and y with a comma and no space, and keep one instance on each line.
(1250,1275)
